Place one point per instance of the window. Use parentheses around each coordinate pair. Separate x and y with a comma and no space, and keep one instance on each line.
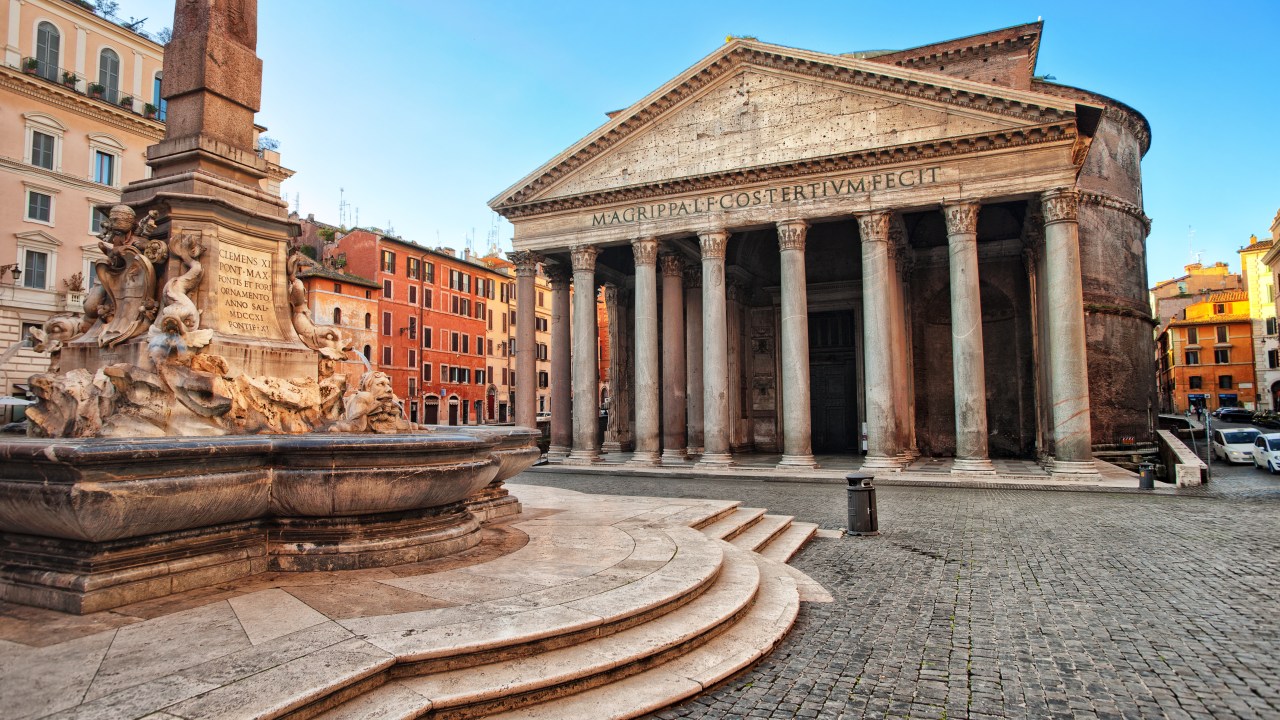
(543,379)
(480,345)
(1273,359)
(466,344)
(1271,326)
(426,337)
(337,288)
(504,322)
(1222,355)
(35,269)
(491,321)
(1219,308)
(386,289)
(368,352)
(490,352)
(386,355)
(426,297)
(413,294)
(109,74)
(479,377)
(368,321)
(1193,357)
(388,261)
(386,323)
(48,47)
(337,316)
(504,376)
(453,342)
(444,373)
(413,331)
(413,389)
(540,298)
(413,268)
(540,324)
(426,373)
(542,351)
(39,207)
(413,359)
(1193,336)
(453,307)
(157,98)
(1224,382)
(42,147)
(104,168)
(96,218)
(431,273)
(1222,333)
(1195,382)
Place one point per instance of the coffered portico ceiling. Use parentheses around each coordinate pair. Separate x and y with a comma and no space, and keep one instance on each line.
(789,125)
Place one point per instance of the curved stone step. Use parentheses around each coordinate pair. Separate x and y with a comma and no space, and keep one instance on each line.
(751,638)
(786,544)
(494,687)
(762,532)
(733,524)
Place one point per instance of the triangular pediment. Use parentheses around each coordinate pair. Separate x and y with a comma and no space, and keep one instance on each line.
(752,105)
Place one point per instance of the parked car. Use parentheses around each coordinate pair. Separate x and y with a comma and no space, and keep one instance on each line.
(1235,415)
(1233,444)
(1266,452)
(1266,419)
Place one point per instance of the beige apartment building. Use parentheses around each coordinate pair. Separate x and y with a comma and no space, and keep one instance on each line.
(1260,284)
(79,104)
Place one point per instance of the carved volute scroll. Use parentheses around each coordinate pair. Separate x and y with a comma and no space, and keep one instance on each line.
(1060,205)
(791,235)
(645,251)
(874,227)
(962,218)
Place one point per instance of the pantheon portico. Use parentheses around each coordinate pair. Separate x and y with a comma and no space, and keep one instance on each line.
(931,250)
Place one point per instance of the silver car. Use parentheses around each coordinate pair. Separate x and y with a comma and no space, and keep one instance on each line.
(1266,452)
(1234,445)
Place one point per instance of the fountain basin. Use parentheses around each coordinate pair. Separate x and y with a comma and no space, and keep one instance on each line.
(90,524)
(516,451)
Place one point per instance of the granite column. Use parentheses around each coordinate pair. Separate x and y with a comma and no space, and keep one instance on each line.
(648,440)
(526,341)
(674,410)
(797,438)
(586,365)
(968,365)
(878,278)
(693,360)
(715,350)
(561,358)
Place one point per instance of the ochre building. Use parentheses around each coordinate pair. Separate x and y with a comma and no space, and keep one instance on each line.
(933,243)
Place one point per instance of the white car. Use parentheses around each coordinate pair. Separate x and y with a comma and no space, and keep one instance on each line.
(1266,452)
(1234,444)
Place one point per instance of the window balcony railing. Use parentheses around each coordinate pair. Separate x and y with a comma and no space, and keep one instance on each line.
(77,83)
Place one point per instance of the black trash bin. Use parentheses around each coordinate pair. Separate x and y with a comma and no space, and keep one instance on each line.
(862,505)
(1146,476)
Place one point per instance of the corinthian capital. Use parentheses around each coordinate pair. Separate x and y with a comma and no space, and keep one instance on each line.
(791,234)
(645,251)
(558,276)
(526,262)
(874,227)
(1060,205)
(713,243)
(584,258)
(672,265)
(962,217)
(610,294)
(693,277)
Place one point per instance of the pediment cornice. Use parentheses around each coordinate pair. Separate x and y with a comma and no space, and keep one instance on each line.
(1064,131)
(1031,108)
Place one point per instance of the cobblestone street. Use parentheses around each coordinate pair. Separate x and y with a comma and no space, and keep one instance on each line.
(979,603)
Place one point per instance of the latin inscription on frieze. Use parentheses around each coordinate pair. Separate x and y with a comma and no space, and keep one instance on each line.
(246,304)
(781,194)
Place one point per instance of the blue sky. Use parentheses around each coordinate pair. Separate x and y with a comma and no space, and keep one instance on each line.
(423,111)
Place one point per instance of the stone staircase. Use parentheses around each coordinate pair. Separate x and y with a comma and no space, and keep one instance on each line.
(704,594)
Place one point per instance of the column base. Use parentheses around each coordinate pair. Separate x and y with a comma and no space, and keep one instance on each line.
(693,451)
(715,461)
(644,458)
(587,456)
(674,457)
(611,446)
(1073,470)
(797,461)
(882,462)
(557,453)
(972,466)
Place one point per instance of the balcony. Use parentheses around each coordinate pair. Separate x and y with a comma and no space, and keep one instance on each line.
(78,84)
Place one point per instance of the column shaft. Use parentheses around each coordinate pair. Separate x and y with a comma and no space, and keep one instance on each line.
(715,350)
(967,362)
(526,341)
(561,354)
(648,440)
(797,438)
(901,343)
(693,335)
(586,365)
(1068,367)
(878,277)
(674,409)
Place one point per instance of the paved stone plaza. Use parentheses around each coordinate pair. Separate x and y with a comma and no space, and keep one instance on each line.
(1021,604)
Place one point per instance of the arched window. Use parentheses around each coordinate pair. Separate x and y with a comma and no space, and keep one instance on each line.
(162,105)
(109,74)
(337,316)
(368,321)
(48,43)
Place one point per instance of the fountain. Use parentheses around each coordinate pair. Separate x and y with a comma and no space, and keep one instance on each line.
(191,429)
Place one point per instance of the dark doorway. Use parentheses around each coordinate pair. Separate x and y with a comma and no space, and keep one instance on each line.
(453,413)
(833,400)
(432,413)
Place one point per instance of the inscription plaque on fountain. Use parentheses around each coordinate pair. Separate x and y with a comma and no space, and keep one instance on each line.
(245,299)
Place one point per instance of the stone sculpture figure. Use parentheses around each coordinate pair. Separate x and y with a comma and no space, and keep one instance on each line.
(56,332)
(327,340)
(374,408)
(176,330)
(127,303)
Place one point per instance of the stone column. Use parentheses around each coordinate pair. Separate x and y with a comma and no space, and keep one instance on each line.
(674,410)
(901,343)
(878,278)
(526,342)
(797,438)
(967,364)
(739,425)
(715,351)
(612,432)
(1068,367)
(648,441)
(586,365)
(693,335)
(561,354)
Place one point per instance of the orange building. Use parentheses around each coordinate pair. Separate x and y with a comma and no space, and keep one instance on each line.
(1208,360)
(350,303)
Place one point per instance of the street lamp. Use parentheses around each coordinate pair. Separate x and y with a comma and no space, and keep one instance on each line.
(11,268)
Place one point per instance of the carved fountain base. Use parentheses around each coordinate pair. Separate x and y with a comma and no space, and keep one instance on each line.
(92,524)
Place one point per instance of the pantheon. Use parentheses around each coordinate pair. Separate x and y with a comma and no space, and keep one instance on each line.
(929,252)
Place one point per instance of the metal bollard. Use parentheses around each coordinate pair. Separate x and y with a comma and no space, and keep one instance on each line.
(862,505)
(1146,476)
